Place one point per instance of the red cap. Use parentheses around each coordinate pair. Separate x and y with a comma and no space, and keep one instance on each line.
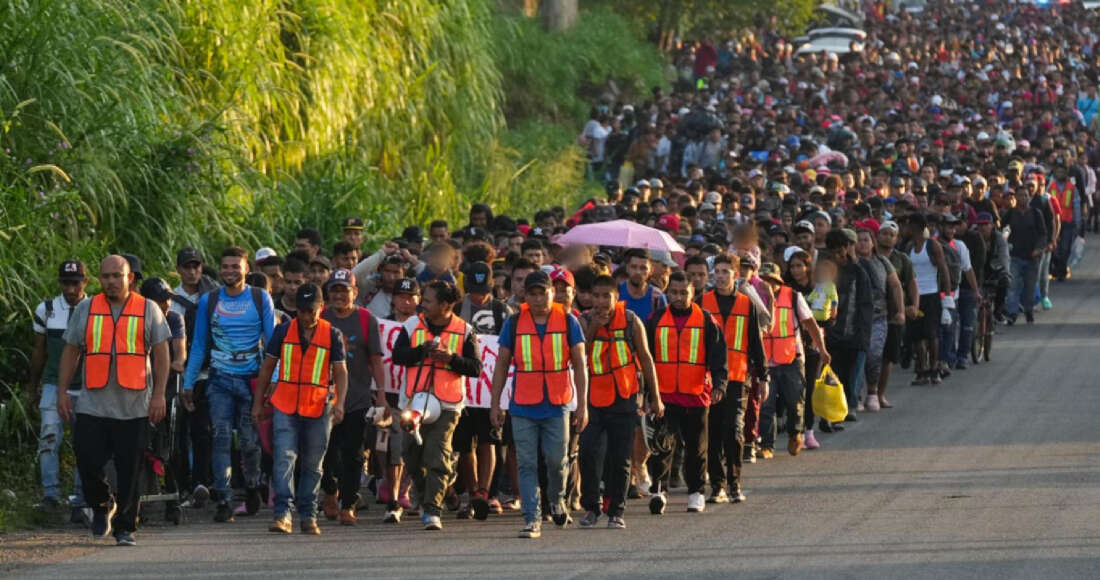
(669,222)
(562,275)
(938,142)
(869,224)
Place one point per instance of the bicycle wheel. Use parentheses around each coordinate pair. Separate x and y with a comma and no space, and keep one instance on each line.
(987,335)
(977,353)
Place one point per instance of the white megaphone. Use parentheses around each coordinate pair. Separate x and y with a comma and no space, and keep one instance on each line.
(424,408)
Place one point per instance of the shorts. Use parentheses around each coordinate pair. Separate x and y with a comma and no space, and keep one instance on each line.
(928,325)
(474,424)
(394,451)
(892,351)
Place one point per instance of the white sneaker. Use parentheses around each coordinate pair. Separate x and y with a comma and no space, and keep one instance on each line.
(433,523)
(644,485)
(393,516)
(696,502)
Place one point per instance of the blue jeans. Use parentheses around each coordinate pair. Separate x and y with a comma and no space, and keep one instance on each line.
(967,306)
(948,333)
(1021,290)
(50,436)
(1043,275)
(304,440)
(230,398)
(530,436)
(859,380)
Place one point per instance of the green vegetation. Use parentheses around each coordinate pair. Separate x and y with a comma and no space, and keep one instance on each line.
(146,125)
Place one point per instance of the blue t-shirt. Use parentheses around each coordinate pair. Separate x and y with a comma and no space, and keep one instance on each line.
(543,410)
(233,336)
(642,307)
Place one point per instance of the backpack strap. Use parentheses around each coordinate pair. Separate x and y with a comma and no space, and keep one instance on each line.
(258,301)
(47,305)
(499,314)
(212,298)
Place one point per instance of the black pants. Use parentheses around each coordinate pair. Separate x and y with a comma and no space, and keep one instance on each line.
(613,432)
(786,392)
(343,464)
(98,440)
(193,430)
(690,424)
(726,436)
(813,371)
(844,365)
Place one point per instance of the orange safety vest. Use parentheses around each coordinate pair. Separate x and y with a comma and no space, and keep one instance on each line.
(611,362)
(434,376)
(735,326)
(303,386)
(122,340)
(781,342)
(681,354)
(542,364)
(1065,198)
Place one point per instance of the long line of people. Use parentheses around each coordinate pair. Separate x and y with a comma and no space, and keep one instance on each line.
(858,212)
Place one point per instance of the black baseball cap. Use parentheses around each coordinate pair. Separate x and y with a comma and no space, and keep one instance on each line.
(407,286)
(156,289)
(135,265)
(537,279)
(413,234)
(478,278)
(72,271)
(188,255)
(341,277)
(352,223)
(308,297)
(475,233)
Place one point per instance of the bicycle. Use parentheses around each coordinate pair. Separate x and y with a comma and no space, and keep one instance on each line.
(984,324)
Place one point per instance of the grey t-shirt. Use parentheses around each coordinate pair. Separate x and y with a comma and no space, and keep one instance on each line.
(113,401)
(358,351)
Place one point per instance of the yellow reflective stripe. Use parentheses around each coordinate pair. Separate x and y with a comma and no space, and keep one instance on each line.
(131,334)
(694,349)
(620,349)
(597,357)
(319,356)
(662,338)
(525,352)
(418,337)
(739,334)
(784,329)
(97,334)
(559,358)
(288,361)
(453,342)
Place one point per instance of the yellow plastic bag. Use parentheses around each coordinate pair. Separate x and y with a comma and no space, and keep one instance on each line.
(829,401)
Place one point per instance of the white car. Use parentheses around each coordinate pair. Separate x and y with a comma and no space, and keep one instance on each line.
(837,32)
(836,45)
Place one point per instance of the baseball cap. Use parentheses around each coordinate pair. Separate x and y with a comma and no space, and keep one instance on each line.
(770,271)
(563,275)
(319,259)
(641,183)
(537,279)
(352,223)
(985,218)
(476,233)
(188,255)
(850,234)
(656,183)
(803,226)
(156,289)
(712,197)
(413,234)
(889,225)
(266,256)
(135,265)
(71,270)
(478,278)
(659,200)
(669,221)
(791,251)
(407,286)
(949,218)
(341,277)
(308,297)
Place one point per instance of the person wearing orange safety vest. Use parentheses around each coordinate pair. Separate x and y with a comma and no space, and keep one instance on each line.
(689,353)
(438,350)
(783,347)
(546,344)
(115,333)
(1063,188)
(619,361)
(310,354)
(737,316)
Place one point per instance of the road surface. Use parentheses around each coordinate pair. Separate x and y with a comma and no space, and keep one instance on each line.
(994,474)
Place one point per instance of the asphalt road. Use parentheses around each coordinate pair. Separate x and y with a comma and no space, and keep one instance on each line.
(994,474)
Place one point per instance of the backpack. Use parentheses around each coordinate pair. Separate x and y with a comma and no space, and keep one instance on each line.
(212,303)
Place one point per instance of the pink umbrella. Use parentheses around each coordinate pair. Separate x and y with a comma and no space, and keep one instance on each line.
(621,233)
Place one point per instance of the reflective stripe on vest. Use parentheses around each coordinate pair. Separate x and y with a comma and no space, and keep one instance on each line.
(734,326)
(122,341)
(303,386)
(1064,195)
(542,364)
(611,362)
(681,357)
(434,376)
(781,342)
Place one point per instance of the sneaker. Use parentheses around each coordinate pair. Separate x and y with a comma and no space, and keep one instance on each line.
(451,501)
(750,453)
(240,510)
(393,514)
(961,365)
(632,492)
(495,507)
(101,521)
(696,502)
(767,453)
(561,517)
(252,501)
(1047,304)
(199,496)
(851,418)
(616,523)
(532,530)
(645,485)
(1029,317)
(125,539)
(331,505)
(347,517)
(719,495)
(657,503)
(223,513)
(80,515)
(860,408)
(480,504)
(310,528)
(433,523)
(921,380)
(883,403)
(809,441)
(510,504)
(735,493)
(872,402)
(794,443)
(589,520)
(280,525)
(1010,319)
